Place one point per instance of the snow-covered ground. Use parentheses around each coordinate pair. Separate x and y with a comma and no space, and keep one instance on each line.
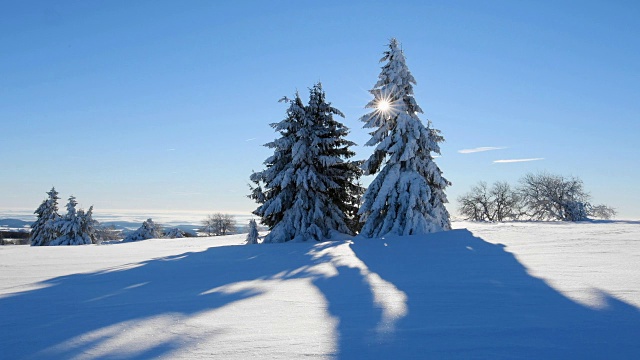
(513,290)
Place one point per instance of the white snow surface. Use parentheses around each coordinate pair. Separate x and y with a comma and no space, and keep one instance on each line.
(480,291)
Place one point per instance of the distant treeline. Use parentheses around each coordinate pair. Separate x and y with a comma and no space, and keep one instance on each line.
(9,237)
(11,234)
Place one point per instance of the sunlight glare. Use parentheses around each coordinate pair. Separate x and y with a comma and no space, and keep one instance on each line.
(383,105)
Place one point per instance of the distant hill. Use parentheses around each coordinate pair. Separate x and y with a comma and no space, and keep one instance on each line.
(132,225)
(122,225)
(14,223)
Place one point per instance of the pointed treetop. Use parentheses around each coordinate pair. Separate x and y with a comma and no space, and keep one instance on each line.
(53,194)
(71,205)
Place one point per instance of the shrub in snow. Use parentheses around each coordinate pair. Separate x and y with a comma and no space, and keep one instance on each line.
(44,229)
(148,230)
(601,211)
(106,233)
(174,233)
(253,235)
(407,195)
(575,211)
(307,189)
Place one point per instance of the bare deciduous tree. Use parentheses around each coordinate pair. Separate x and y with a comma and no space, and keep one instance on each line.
(498,203)
(219,224)
(506,201)
(601,211)
(540,196)
(553,197)
(474,205)
(208,225)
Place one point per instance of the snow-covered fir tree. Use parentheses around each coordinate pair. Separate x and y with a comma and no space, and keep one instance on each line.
(253,235)
(74,228)
(407,195)
(88,225)
(274,186)
(308,188)
(44,229)
(333,155)
(148,230)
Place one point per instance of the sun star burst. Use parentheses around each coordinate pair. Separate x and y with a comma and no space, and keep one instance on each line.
(385,106)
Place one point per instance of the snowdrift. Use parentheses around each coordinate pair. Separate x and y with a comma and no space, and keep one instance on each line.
(454,295)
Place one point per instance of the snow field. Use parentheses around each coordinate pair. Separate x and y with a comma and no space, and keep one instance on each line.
(494,291)
(581,260)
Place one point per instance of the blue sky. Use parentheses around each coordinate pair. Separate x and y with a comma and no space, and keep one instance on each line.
(164,105)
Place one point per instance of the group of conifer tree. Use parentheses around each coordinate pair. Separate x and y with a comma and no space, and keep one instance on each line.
(310,187)
(77,227)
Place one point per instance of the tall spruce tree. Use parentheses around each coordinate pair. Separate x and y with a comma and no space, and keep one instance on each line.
(309,187)
(334,156)
(275,186)
(44,229)
(407,195)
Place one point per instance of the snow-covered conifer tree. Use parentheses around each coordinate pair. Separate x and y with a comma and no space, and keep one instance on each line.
(326,178)
(71,226)
(407,195)
(275,186)
(148,230)
(253,235)
(44,229)
(321,193)
(88,225)
(333,156)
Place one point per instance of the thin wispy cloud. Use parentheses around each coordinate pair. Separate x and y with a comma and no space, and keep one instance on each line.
(515,160)
(480,149)
(250,139)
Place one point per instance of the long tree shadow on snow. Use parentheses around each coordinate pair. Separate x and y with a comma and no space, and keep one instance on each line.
(468,299)
(446,295)
(53,322)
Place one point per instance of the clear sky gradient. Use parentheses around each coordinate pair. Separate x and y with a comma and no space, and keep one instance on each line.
(164,105)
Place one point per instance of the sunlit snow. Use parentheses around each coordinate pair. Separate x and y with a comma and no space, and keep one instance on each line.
(511,290)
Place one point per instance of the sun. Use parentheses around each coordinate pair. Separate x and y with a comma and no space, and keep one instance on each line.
(383,105)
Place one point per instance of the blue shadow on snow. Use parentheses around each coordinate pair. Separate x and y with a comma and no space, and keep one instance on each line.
(465,298)
(470,299)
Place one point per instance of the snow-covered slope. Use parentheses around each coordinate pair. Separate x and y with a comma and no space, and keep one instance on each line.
(567,291)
